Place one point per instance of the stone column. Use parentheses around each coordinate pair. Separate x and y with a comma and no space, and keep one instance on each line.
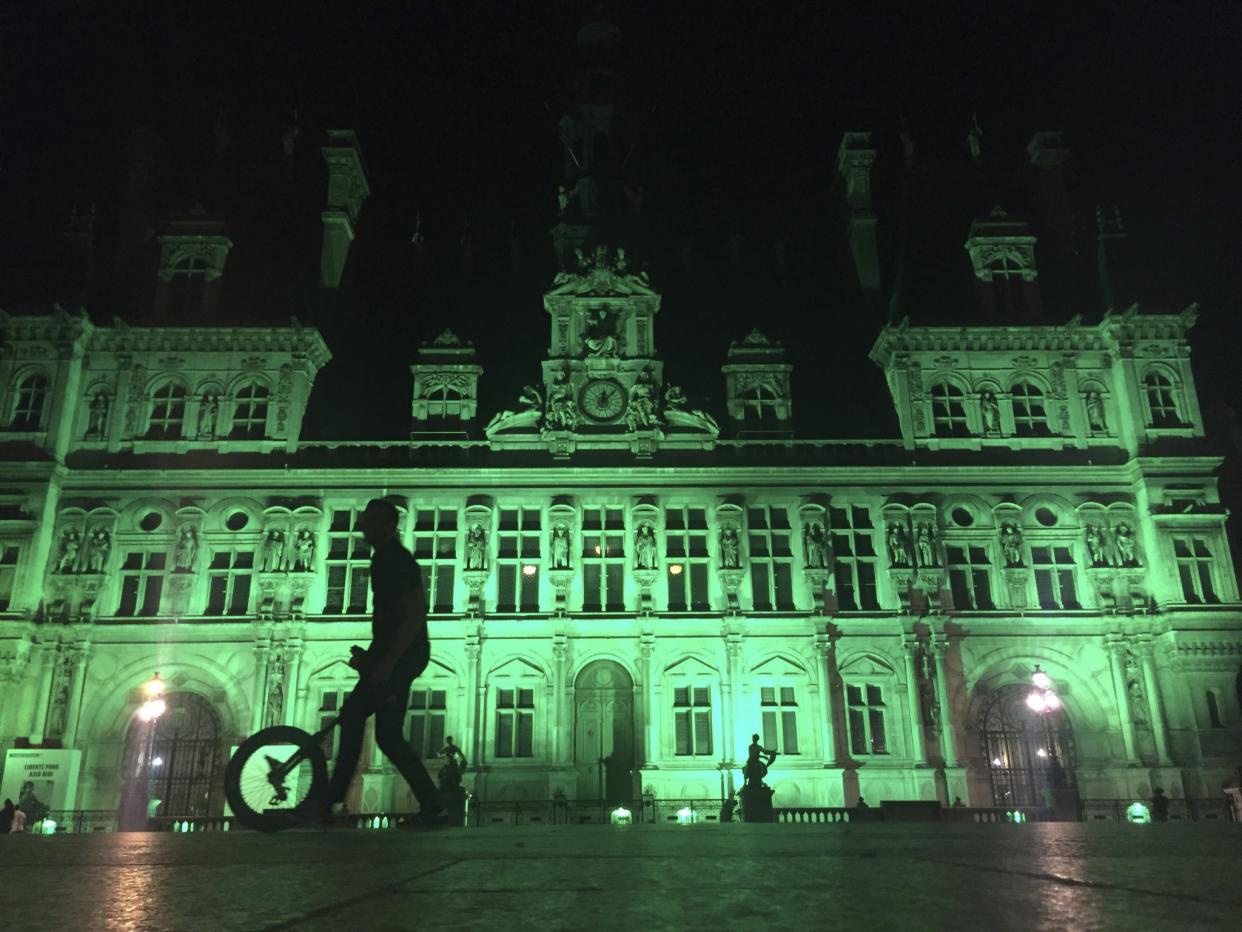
(258,698)
(294,693)
(1116,649)
(48,655)
(826,714)
(1155,704)
(911,646)
(733,656)
(560,654)
(80,655)
(646,650)
(474,697)
(948,742)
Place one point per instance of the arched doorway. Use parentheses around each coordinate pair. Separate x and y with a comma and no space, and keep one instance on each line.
(186,756)
(604,733)
(1026,752)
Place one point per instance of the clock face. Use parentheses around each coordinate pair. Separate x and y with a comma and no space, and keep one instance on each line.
(602,400)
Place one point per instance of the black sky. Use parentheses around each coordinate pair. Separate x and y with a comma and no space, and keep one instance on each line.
(742,107)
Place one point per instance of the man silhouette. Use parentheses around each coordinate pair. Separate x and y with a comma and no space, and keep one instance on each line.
(399,652)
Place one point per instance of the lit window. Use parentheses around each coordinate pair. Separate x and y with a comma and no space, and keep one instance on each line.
(603,560)
(518,548)
(868,733)
(30,399)
(949,410)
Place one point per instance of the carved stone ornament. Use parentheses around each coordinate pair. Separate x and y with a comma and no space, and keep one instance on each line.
(1011,544)
(602,274)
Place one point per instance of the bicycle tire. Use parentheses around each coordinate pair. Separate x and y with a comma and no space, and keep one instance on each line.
(265,819)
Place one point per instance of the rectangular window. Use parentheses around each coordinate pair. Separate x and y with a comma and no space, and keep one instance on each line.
(865,707)
(517,560)
(969,577)
(142,584)
(228,587)
(603,560)
(779,711)
(1194,568)
(1054,577)
(771,560)
(692,715)
(853,550)
(515,722)
(349,566)
(8,573)
(425,726)
(435,549)
(686,559)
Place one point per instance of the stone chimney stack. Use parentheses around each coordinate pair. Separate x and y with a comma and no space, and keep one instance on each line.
(347,189)
(855,157)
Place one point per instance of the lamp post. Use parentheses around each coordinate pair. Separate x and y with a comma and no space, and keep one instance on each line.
(1044,701)
(135,803)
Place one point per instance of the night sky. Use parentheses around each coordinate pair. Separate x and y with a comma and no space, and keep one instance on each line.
(739,107)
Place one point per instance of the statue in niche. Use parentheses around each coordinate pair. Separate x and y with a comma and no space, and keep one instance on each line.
(304,551)
(454,766)
(59,714)
(925,543)
(931,708)
(601,335)
(97,422)
(186,551)
(100,541)
(898,545)
(1097,545)
(1134,689)
(674,397)
(1123,541)
(273,552)
(640,414)
(1095,412)
(645,548)
(1011,544)
(476,547)
(560,547)
(276,689)
(562,414)
(730,548)
(991,413)
(70,549)
(815,546)
(207,410)
(562,198)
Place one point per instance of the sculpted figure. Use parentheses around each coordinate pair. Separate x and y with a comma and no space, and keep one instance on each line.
(674,397)
(898,545)
(815,545)
(476,548)
(274,552)
(531,397)
(561,413)
(645,548)
(98,417)
(70,547)
(560,547)
(101,547)
(207,411)
(924,540)
(640,414)
(730,549)
(1011,544)
(187,549)
(454,765)
(304,548)
(1095,412)
(601,338)
(991,413)
(1123,540)
(1096,545)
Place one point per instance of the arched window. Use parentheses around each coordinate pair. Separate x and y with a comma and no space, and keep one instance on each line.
(1030,416)
(186,283)
(1213,708)
(949,410)
(29,401)
(1161,400)
(250,411)
(760,403)
(167,412)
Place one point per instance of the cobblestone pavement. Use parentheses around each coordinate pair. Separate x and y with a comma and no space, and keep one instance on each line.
(1033,876)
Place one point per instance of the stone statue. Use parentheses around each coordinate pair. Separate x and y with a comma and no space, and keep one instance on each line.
(674,397)
(1097,547)
(931,708)
(476,548)
(273,552)
(276,696)
(101,547)
(1135,690)
(1095,412)
(601,337)
(560,547)
(991,413)
(207,411)
(561,412)
(815,546)
(645,548)
(70,547)
(454,765)
(1011,544)
(186,551)
(98,421)
(730,549)
(756,767)
(532,398)
(898,545)
(640,414)
(562,198)
(1123,540)
(924,543)
(304,551)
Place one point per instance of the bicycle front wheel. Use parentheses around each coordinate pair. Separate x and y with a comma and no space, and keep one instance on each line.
(273,772)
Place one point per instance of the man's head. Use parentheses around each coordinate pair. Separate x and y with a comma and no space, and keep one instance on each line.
(378,521)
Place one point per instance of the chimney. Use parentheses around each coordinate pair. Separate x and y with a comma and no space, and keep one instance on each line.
(347,189)
(855,157)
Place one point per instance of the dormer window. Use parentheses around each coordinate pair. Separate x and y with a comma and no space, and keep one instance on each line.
(949,410)
(167,412)
(1030,415)
(1161,401)
(760,403)
(29,403)
(250,411)
(186,285)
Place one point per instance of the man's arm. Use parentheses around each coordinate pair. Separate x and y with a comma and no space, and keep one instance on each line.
(414,613)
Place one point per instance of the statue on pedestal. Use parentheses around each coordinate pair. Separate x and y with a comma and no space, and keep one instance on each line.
(730,549)
(991,413)
(476,548)
(1011,544)
(186,551)
(898,545)
(1095,412)
(273,552)
(70,547)
(815,544)
(757,795)
(98,421)
(454,766)
(645,548)
(560,547)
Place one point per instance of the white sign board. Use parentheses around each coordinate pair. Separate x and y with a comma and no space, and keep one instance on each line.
(39,780)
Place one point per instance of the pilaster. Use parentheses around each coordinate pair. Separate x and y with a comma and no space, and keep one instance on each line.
(918,744)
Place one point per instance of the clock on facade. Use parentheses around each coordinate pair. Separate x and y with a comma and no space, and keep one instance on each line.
(602,399)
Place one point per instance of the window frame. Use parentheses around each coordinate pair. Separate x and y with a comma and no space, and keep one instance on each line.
(783,708)
(952,421)
(608,559)
(437,566)
(516,713)
(848,562)
(1029,402)
(1053,570)
(251,411)
(31,392)
(693,542)
(166,411)
(232,574)
(966,571)
(518,546)
(698,716)
(870,710)
(1199,565)
(778,560)
(355,570)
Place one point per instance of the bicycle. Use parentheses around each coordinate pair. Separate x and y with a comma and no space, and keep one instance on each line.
(277,769)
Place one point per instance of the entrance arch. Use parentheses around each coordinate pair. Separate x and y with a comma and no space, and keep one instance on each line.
(1025,752)
(604,732)
(188,778)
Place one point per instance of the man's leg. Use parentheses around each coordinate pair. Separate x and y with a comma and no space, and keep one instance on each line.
(389,727)
(352,723)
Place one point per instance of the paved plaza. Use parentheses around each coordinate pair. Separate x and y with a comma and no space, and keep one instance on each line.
(1033,876)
